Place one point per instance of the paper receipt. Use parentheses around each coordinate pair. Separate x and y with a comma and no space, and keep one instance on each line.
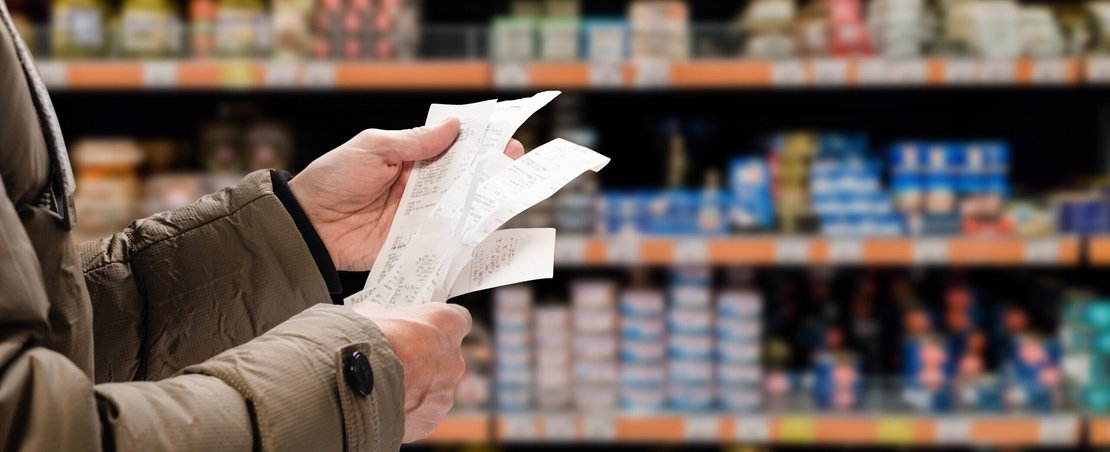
(444,240)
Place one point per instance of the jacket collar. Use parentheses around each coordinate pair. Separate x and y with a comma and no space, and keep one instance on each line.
(57,196)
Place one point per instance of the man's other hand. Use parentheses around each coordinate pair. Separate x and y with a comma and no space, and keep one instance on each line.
(427,340)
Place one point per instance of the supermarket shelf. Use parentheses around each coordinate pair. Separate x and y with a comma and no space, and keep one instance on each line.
(1098,431)
(777,250)
(481,74)
(461,428)
(1098,250)
(1003,430)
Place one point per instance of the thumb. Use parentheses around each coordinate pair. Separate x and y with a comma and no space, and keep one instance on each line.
(408,145)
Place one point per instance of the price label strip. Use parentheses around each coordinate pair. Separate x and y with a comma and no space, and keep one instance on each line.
(160,74)
(753,429)
(843,251)
(953,430)
(624,251)
(607,74)
(1098,69)
(796,430)
(691,251)
(702,428)
(788,73)
(570,251)
(319,75)
(519,428)
(281,74)
(560,427)
(54,74)
(653,73)
(895,431)
(511,74)
(930,251)
(792,251)
(598,427)
(1043,251)
(1059,430)
(829,72)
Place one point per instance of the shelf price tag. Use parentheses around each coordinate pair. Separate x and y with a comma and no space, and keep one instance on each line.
(607,74)
(1058,430)
(796,429)
(930,251)
(908,72)
(653,73)
(159,74)
(570,250)
(997,71)
(953,430)
(894,431)
(281,75)
(792,251)
(559,427)
(598,427)
(519,427)
(511,74)
(1098,69)
(319,75)
(753,429)
(702,428)
(624,251)
(960,72)
(788,73)
(1049,71)
(1042,251)
(873,72)
(829,71)
(54,74)
(691,251)
(845,251)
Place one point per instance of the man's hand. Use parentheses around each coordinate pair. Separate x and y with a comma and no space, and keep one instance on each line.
(427,340)
(351,193)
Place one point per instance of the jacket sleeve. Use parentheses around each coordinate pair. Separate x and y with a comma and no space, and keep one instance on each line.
(283,390)
(180,287)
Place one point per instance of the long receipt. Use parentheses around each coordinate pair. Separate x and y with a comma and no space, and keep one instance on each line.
(444,240)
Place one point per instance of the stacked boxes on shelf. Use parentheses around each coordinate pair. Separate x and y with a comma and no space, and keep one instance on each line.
(1085,334)
(554,384)
(846,191)
(643,350)
(739,326)
(513,348)
(691,346)
(594,340)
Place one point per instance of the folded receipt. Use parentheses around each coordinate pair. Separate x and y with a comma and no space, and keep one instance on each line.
(445,239)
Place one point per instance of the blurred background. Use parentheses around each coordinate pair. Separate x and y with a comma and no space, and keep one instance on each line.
(827,222)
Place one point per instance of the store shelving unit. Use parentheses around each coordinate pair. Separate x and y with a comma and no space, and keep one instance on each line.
(474,74)
(471,71)
(801,429)
(785,250)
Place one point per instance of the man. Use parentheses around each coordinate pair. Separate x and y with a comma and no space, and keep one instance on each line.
(204,328)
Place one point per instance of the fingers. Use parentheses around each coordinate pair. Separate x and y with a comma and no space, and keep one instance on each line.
(411,144)
(514,149)
(452,319)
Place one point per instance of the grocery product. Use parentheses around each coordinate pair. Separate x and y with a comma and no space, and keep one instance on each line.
(150,29)
(79,28)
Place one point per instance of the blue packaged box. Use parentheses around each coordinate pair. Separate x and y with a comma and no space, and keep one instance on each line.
(907,157)
(750,187)
(605,39)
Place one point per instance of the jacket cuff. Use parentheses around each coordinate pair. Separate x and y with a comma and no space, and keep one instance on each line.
(280,181)
(292,378)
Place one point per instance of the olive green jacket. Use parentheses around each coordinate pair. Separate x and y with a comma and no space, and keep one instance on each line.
(196,329)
